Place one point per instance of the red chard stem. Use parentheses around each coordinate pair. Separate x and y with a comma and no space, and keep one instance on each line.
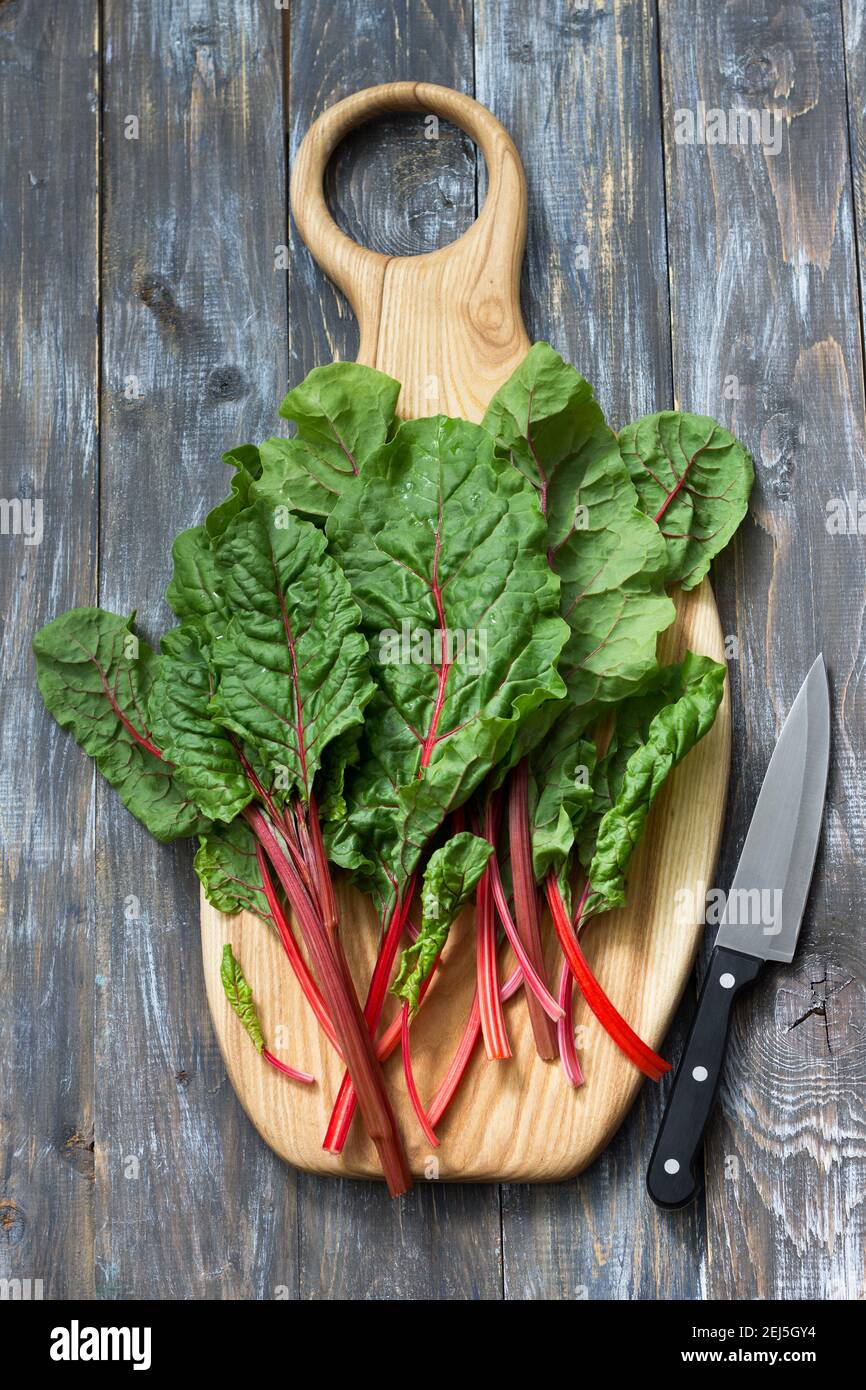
(311,990)
(608,1016)
(410,1079)
(344,1106)
(526,904)
(286,1070)
(345,1012)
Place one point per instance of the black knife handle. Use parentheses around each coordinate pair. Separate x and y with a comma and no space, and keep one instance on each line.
(671,1179)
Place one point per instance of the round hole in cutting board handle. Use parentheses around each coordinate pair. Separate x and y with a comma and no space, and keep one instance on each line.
(393,189)
(356,269)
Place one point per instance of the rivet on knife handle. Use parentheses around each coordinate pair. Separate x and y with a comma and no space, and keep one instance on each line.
(673,1177)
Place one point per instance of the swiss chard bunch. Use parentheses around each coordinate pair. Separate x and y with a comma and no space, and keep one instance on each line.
(439,538)
(224,735)
(628,518)
(423,652)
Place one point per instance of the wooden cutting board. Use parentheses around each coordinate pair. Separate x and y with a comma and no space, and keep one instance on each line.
(448,326)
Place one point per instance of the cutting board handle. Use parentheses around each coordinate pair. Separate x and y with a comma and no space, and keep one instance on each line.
(447,323)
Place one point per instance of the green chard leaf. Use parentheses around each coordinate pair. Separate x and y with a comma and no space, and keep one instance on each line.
(443,545)
(339,755)
(205,757)
(96,679)
(653,733)
(227,866)
(449,880)
(365,838)
(240,995)
(561,770)
(246,461)
(694,479)
(631,722)
(293,666)
(343,412)
(194,592)
(609,557)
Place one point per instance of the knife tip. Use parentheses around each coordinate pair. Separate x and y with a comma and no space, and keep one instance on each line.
(818,683)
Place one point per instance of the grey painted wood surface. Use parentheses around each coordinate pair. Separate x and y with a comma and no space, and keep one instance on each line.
(49,112)
(193,361)
(660,270)
(765,298)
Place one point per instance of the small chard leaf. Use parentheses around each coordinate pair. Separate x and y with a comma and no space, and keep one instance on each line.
(228,868)
(561,790)
(609,557)
(96,679)
(539,415)
(240,995)
(204,754)
(694,479)
(631,721)
(449,880)
(366,839)
(343,412)
(443,545)
(294,477)
(194,591)
(293,667)
(246,461)
(339,755)
(655,742)
(347,847)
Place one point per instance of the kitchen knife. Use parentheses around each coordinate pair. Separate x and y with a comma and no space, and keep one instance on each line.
(761,921)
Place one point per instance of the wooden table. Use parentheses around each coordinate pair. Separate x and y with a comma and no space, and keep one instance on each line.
(154,309)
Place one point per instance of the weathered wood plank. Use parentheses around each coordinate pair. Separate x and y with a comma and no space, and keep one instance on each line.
(577,88)
(596,287)
(193,361)
(399,192)
(49,113)
(766,337)
(854,28)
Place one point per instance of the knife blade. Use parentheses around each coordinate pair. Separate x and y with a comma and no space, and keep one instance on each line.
(761,921)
